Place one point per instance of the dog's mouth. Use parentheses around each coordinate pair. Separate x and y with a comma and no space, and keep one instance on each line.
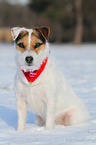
(29,64)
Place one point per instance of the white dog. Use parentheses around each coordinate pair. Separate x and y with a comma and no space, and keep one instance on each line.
(41,85)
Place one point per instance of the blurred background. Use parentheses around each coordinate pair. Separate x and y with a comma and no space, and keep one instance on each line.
(69,20)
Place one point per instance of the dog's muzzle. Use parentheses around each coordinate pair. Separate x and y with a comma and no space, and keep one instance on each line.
(29,60)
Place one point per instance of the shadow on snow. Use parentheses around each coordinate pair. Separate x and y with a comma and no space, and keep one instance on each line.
(10,116)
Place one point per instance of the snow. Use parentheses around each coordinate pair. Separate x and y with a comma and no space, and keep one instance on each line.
(78,63)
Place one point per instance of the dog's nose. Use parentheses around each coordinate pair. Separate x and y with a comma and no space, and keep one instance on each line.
(29,59)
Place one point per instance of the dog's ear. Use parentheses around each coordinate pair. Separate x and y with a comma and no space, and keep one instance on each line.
(45,31)
(15,31)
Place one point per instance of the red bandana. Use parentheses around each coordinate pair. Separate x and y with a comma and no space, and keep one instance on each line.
(32,76)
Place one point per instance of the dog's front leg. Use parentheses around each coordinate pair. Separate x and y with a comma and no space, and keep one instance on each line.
(22,113)
(50,114)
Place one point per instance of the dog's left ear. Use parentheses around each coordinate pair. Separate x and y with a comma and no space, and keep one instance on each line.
(45,31)
(15,31)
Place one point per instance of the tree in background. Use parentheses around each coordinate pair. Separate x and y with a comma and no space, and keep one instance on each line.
(79,22)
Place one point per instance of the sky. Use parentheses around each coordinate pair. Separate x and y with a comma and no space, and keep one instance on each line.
(17,1)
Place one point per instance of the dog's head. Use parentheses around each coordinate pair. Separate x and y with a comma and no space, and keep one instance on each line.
(31,45)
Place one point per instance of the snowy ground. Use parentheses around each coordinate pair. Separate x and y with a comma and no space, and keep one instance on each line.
(78,63)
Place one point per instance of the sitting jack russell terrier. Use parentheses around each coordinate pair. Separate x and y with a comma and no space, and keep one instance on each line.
(41,85)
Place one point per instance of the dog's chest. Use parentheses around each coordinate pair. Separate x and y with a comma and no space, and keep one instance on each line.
(36,99)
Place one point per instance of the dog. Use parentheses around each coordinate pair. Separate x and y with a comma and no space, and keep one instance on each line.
(41,85)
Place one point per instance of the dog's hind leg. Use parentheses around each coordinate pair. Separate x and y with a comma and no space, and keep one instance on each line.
(66,118)
(39,121)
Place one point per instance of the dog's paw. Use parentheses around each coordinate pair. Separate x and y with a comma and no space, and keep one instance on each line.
(20,129)
(49,127)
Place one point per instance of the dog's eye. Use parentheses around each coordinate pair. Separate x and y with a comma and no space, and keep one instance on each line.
(21,45)
(38,45)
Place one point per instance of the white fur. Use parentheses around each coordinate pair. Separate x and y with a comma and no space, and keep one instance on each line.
(30,31)
(49,97)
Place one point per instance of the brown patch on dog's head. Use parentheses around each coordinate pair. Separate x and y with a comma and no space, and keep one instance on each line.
(36,44)
(22,41)
(38,38)
(45,31)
